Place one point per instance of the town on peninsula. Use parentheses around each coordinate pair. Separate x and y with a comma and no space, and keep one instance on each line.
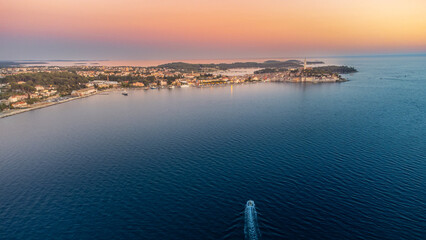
(24,87)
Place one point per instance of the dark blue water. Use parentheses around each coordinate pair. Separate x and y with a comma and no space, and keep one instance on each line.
(321,161)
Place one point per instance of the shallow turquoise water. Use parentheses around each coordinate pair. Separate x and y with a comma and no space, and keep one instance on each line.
(324,161)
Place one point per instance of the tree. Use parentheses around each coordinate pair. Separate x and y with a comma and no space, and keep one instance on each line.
(2,106)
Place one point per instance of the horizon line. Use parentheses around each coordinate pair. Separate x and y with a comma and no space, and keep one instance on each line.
(236,58)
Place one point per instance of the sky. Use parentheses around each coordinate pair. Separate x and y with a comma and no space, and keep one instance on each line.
(208,29)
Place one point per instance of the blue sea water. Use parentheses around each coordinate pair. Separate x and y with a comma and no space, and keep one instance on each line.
(321,161)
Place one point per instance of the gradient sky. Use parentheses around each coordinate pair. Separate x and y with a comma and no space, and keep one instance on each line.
(200,29)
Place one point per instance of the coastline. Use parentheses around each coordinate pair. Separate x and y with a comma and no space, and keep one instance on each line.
(48,104)
(42,105)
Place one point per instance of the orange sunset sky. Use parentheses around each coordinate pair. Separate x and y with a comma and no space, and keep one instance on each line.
(193,29)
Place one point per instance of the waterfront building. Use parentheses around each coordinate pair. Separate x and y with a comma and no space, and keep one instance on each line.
(138,84)
(83,92)
(104,84)
(19,104)
(16,98)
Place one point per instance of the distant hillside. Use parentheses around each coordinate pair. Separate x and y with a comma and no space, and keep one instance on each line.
(8,64)
(4,64)
(186,67)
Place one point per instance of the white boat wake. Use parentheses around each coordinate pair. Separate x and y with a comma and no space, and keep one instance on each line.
(251,227)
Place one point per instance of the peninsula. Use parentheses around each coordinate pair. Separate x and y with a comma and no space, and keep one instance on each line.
(24,88)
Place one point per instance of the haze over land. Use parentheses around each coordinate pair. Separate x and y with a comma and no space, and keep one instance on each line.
(189,29)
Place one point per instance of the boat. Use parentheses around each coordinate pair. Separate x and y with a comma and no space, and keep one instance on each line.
(251,226)
(171,87)
(184,86)
(125,93)
(153,88)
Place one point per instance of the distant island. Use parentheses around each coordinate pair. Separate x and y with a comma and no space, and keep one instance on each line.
(29,87)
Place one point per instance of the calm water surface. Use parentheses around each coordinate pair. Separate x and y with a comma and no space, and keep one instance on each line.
(322,161)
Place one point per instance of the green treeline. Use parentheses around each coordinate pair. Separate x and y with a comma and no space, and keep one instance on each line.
(64,82)
(188,67)
(315,70)
(334,69)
